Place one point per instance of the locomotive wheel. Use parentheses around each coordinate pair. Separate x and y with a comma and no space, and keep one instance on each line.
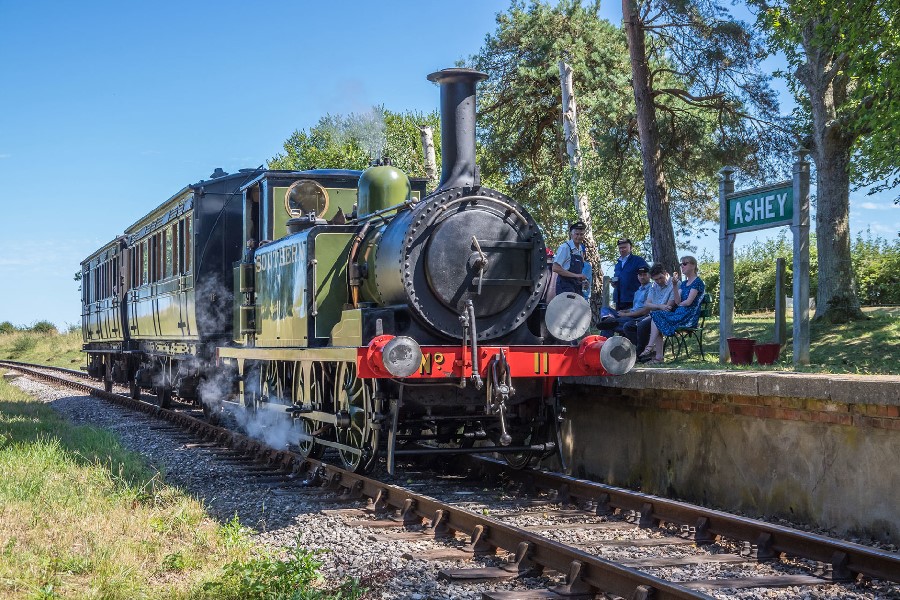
(272,383)
(309,390)
(538,431)
(354,398)
(252,386)
(163,397)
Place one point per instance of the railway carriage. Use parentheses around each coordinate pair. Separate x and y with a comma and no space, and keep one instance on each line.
(103,316)
(369,317)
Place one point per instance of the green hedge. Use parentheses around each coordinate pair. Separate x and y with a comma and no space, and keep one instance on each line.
(876,265)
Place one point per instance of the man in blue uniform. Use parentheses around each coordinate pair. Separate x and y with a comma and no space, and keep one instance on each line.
(625,279)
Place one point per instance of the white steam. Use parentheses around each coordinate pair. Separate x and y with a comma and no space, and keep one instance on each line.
(367,129)
(274,428)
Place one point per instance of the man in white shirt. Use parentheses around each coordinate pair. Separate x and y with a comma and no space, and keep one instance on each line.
(573,272)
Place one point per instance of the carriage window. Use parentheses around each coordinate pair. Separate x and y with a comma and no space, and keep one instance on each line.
(175,261)
(154,258)
(135,264)
(160,256)
(181,246)
(189,240)
(145,263)
(167,242)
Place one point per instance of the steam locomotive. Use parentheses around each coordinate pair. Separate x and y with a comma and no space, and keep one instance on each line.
(370,318)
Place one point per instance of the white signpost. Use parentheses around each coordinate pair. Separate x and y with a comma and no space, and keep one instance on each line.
(774,205)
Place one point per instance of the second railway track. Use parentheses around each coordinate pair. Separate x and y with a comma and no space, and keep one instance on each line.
(535,521)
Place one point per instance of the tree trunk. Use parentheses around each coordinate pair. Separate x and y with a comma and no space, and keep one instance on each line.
(662,235)
(573,148)
(428,151)
(832,146)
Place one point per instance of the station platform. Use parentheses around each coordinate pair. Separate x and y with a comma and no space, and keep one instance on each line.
(823,450)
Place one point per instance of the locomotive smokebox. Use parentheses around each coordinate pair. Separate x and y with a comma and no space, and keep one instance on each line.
(458,168)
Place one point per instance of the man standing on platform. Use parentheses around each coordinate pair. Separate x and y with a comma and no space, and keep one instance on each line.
(573,272)
(625,279)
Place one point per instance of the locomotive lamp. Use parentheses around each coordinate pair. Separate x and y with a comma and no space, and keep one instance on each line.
(399,356)
(615,355)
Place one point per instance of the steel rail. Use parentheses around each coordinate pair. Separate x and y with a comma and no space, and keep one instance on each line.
(586,573)
(846,559)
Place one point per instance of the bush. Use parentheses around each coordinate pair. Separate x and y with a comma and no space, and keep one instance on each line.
(22,345)
(7,327)
(43,327)
(876,265)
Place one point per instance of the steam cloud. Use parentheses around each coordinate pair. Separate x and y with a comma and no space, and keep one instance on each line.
(274,428)
(367,129)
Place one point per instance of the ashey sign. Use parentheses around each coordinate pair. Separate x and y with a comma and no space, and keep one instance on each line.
(761,208)
(772,205)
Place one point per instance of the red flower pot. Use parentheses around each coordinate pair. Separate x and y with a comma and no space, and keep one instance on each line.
(741,350)
(767,354)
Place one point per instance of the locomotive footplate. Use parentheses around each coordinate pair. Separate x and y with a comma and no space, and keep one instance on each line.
(454,362)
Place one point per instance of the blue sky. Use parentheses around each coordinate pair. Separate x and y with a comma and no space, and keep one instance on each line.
(108,108)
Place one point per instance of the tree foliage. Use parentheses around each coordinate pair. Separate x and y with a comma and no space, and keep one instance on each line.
(871,42)
(520,131)
(354,141)
(851,46)
(843,61)
(690,59)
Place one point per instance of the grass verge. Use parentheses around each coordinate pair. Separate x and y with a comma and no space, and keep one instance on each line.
(867,347)
(80,517)
(51,348)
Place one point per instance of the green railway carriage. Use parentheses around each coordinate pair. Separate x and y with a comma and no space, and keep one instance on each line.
(103,315)
(164,283)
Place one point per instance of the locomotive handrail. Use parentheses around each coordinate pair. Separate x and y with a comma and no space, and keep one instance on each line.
(408,205)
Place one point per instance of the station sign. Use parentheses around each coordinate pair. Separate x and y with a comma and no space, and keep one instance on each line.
(761,208)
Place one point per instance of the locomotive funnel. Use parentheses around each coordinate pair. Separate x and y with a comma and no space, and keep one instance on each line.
(458,168)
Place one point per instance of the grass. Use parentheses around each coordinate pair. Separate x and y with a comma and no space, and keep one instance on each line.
(49,348)
(864,347)
(80,517)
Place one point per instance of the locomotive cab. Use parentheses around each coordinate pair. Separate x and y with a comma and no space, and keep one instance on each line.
(299,227)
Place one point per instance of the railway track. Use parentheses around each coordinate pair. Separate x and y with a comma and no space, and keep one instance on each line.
(535,543)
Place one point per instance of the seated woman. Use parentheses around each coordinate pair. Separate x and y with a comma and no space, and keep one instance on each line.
(687,311)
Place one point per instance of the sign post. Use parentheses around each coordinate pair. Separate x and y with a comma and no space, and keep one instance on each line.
(773,205)
(800,229)
(726,264)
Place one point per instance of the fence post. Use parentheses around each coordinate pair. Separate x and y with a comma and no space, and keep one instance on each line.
(726,264)
(800,230)
(605,297)
(780,303)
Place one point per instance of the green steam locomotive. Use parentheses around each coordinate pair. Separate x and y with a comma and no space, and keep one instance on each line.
(349,312)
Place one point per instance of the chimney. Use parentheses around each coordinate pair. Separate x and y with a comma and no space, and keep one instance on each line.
(458,168)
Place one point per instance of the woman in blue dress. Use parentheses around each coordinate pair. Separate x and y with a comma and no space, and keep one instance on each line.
(686,314)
